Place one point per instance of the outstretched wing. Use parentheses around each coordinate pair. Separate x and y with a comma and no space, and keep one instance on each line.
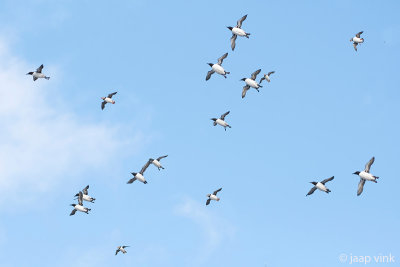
(233,39)
(160,158)
(145,167)
(271,72)
(358,35)
(369,163)
(131,180)
(72,212)
(360,187)
(216,191)
(85,190)
(209,75)
(116,252)
(262,79)
(208,201)
(80,198)
(125,246)
(39,70)
(224,115)
(254,74)
(34,78)
(221,59)
(111,95)
(245,89)
(327,180)
(311,191)
(103,104)
(240,21)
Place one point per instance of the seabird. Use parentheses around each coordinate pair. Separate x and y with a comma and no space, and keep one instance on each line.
(221,121)
(238,31)
(365,176)
(357,40)
(86,196)
(213,196)
(266,77)
(38,74)
(320,185)
(156,162)
(122,249)
(251,82)
(139,176)
(107,100)
(79,206)
(217,67)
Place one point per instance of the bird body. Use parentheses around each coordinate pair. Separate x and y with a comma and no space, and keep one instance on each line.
(237,31)
(156,162)
(107,99)
(252,83)
(320,186)
(38,74)
(121,248)
(357,40)
(85,195)
(213,196)
(139,175)
(365,175)
(217,67)
(221,121)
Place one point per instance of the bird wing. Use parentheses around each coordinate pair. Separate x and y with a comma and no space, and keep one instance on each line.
(358,35)
(39,70)
(125,246)
(254,74)
(240,21)
(360,187)
(355,46)
(369,163)
(327,180)
(34,78)
(145,167)
(208,201)
(131,180)
(111,95)
(159,158)
(271,72)
(116,252)
(103,104)
(245,88)
(224,115)
(85,190)
(262,79)
(311,191)
(209,75)
(221,59)
(216,191)
(72,212)
(80,198)
(233,39)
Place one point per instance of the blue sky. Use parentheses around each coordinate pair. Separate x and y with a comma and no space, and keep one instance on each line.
(327,111)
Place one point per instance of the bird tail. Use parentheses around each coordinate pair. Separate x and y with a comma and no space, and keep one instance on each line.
(47,78)
(227,72)
(145,182)
(229,126)
(328,191)
(376,177)
(247,35)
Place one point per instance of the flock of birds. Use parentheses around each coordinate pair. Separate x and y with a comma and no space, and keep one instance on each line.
(251,82)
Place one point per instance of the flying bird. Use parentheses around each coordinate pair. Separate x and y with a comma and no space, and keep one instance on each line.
(86,196)
(38,74)
(321,186)
(221,121)
(122,249)
(139,176)
(266,77)
(79,206)
(357,40)
(213,196)
(365,176)
(107,100)
(251,82)
(217,67)
(237,31)
(156,162)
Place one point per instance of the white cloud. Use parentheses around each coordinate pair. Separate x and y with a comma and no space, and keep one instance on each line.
(40,142)
(215,229)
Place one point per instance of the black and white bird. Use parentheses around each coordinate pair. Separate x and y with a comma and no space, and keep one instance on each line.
(107,100)
(357,40)
(38,74)
(266,77)
(217,67)
(237,31)
(122,249)
(86,196)
(213,196)
(365,176)
(251,82)
(320,185)
(221,121)
(79,206)
(156,162)
(139,175)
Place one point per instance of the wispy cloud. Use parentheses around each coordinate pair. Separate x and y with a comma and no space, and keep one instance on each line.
(216,230)
(39,142)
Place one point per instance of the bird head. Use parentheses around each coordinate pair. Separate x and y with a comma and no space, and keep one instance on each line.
(314,183)
(243,79)
(208,195)
(357,172)
(213,119)
(103,98)
(29,73)
(151,159)
(230,28)
(210,64)
(73,205)
(134,173)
